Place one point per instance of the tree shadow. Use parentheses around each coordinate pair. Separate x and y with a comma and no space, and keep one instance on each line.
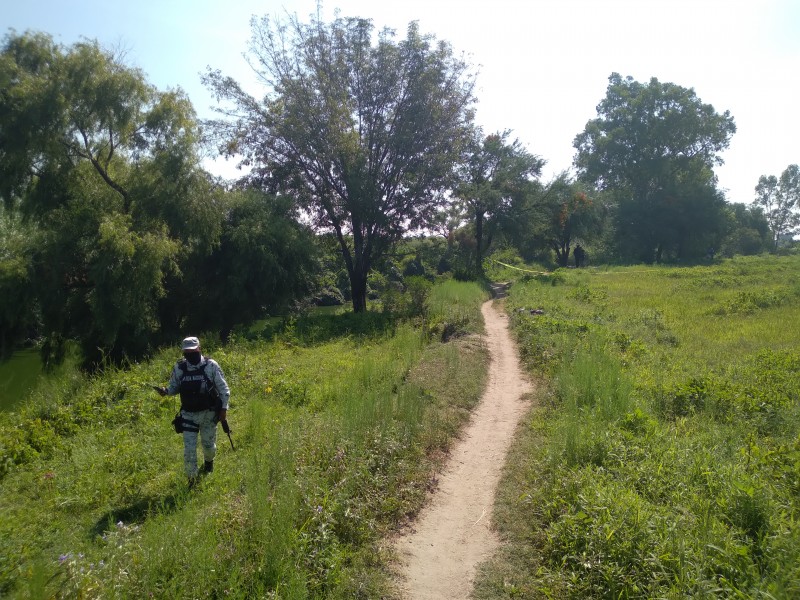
(321,328)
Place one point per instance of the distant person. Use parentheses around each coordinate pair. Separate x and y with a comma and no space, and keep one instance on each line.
(710,253)
(580,256)
(204,402)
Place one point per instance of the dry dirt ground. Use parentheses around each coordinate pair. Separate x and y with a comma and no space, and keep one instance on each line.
(441,550)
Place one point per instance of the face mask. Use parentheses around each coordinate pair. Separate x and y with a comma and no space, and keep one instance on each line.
(193,358)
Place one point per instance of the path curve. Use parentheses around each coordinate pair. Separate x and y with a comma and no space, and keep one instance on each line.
(452,534)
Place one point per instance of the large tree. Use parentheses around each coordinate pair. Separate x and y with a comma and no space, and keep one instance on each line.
(654,147)
(103,168)
(362,130)
(780,199)
(496,173)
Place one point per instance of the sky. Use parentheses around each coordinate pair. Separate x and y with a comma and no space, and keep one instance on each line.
(542,65)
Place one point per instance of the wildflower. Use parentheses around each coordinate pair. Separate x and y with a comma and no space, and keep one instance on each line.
(120,524)
(63,558)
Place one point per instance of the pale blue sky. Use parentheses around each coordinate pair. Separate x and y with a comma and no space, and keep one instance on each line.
(543,64)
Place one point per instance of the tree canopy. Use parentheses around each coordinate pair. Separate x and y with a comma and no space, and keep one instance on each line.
(569,213)
(780,199)
(104,167)
(116,233)
(495,174)
(361,130)
(654,147)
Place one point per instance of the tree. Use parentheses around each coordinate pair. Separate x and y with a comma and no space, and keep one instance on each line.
(363,136)
(780,199)
(495,174)
(104,167)
(264,261)
(570,214)
(18,316)
(654,147)
(749,232)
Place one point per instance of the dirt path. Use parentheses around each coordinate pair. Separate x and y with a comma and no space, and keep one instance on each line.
(452,534)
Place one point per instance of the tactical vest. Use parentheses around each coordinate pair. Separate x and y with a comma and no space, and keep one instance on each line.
(197,390)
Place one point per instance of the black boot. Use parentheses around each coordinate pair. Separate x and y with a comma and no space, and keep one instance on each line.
(208,466)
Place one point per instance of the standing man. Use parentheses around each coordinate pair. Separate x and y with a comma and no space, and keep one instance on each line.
(580,256)
(204,402)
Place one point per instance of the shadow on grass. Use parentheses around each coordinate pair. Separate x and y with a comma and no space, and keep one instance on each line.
(136,513)
(320,328)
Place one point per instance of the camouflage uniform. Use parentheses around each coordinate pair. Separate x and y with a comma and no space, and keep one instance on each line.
(199,421)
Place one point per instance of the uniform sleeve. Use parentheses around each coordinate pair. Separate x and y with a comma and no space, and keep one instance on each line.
(174,385)
(218,378)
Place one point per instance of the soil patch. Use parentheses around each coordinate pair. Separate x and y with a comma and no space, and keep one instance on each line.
(441,550)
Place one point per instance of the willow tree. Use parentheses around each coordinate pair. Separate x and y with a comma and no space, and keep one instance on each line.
(363,131)
(104,170)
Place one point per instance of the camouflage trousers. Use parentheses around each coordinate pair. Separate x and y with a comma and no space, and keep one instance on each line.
(203,423)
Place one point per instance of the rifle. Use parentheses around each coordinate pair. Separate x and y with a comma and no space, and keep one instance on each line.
(226,428)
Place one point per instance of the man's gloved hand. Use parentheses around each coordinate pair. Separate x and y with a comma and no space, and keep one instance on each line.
(161,390)
(222,415)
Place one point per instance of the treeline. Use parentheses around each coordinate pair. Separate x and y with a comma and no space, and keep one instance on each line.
(114,235)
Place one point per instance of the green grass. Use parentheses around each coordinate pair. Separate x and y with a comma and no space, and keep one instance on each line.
(337,424)
(663,459)
(18,375)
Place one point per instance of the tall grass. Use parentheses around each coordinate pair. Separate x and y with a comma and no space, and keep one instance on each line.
(336,429)
(664,459)
(452,307)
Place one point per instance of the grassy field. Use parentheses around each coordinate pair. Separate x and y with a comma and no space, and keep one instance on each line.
(663,458)
(338,422)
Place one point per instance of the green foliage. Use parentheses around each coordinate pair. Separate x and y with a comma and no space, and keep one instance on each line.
(335,444)
(653,146)
(780,200)
(17,298)
(570,213)
(750,233)
(264,262)
(496,176)
(663,460)
(119,239)
(90,177)
(364,131)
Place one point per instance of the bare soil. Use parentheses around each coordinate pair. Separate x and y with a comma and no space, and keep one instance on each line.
(440,551)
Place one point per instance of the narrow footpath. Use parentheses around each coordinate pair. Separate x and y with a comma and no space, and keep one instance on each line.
(452,535)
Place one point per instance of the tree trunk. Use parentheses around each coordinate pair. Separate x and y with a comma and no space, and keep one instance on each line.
(562,253)
(479,241)
(358,289)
